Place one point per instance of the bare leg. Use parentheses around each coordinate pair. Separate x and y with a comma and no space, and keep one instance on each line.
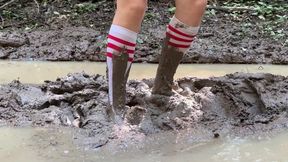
(190,12)
(130,13)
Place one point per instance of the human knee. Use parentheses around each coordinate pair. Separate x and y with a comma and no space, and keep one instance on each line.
(190,8)
(136,6)
(199,3)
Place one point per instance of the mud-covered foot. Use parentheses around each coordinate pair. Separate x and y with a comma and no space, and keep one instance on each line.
(118,75)
(162,89)
(114,116)
(168,63)
(159,103)
(163,92)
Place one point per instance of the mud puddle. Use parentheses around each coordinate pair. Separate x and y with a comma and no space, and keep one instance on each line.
(38,72)
(38,145)
(264,148)
(236,104)
(55,145)
(199,110)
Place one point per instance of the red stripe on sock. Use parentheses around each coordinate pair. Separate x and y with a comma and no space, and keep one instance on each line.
(178,45)
(177,38)
(108,54)
(113,46)
(179,32)
(130,59)
(121,41)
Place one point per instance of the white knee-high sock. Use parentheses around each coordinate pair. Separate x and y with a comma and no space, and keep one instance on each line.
(181,35)
(119,38)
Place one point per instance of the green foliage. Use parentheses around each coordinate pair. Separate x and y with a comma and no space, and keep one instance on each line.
(274,14)
(85,7)
(269,15)
(211,12)
(263,9)
(10,15)
(270,11)
(149,15)
(172,10)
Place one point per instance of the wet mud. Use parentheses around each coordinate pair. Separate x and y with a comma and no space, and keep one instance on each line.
(222,39)
(236,104)
(68,44)
(82,44)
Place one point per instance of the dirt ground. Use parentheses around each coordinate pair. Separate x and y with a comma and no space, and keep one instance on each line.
(58,35)
(239,104)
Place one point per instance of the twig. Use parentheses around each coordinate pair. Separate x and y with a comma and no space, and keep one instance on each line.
(38,7)
(230,9)
(2,21)
(6,4)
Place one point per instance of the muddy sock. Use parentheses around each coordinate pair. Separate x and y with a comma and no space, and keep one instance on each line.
(179,37)
(120,53)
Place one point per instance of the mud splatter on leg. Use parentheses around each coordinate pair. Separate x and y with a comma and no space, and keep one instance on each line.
(179,37)
(120,53)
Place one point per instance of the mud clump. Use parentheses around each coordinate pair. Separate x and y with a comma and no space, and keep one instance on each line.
(236,103)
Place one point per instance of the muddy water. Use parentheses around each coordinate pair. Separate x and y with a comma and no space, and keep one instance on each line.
(37,145)
(37,72)
(50,145)
(56,145)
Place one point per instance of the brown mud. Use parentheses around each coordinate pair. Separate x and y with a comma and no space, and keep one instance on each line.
(169,60)
(62,36)
(236,104)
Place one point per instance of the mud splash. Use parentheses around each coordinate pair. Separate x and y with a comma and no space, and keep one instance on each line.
(239,104)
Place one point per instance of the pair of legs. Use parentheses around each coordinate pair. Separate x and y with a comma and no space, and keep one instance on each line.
(122,41)
(130,13)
